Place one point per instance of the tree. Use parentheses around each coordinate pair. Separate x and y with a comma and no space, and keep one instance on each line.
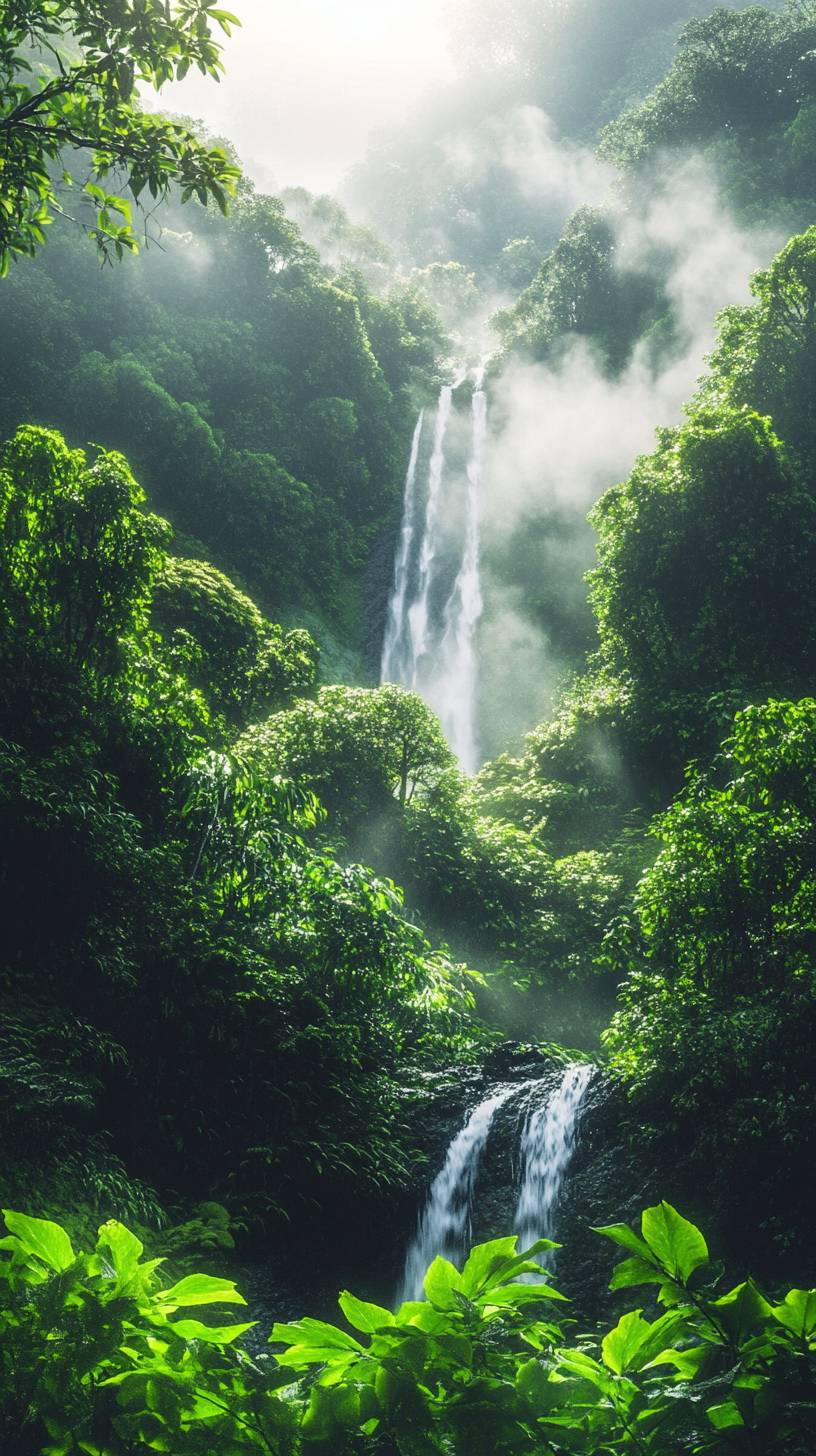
(79,554)
(242,662)
(736,73)
(359,749)
(766,353)
(703,590)
(715,1030)
(581,290)
(68,77)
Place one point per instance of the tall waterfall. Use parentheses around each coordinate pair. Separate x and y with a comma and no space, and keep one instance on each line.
(397,661)
(436,600)
(444,1226)
(547,1142)
(547,1145)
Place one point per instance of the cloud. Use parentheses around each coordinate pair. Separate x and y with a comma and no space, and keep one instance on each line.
(564,432)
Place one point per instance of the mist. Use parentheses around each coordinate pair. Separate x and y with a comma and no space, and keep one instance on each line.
(563,433)
(307,85)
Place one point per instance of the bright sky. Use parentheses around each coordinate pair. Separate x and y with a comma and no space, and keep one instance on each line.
(309,81)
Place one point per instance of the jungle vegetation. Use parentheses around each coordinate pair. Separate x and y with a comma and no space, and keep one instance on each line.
(250,902)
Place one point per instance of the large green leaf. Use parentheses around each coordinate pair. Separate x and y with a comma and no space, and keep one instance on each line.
(621,1345)
(125,1251)
(725,1417)
(190,1329)
(442,1282)
(485,1263)
(676,1243)
(635,1343)
(632,1272)
(306,1332)
(364,1316)
(797,1312)
(743,1311)
(521,1294)
(47,1241)
(200,1289)
(620,1233)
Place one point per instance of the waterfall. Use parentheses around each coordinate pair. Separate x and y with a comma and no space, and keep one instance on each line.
(436,600)
(547,1142)
(463,610)
(444,1226)
(418,612)
(547,1145)
(396,662)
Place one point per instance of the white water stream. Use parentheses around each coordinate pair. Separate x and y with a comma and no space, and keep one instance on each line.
(397,658)
(434,610)
(444,1225)
(547,1145)
(548,1138)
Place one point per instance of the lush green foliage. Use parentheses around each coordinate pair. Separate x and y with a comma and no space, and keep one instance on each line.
(360,749)
(718,1009)
(745,74)
(232,1006)
(244,664)
(68,75)
(100,1356)
(705,562)
(201,993)
(580,292)
(263,399)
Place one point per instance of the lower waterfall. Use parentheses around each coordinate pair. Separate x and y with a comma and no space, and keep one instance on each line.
(547,1145)
(547,1141)
(444,1225)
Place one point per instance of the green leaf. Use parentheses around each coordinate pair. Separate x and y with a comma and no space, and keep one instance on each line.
(329,1408)
(189,1329)
(532,1381)
(725,1416)
(620,1233)
(743,1311)
(635,1271)
(485,1262)
(363,1316)
(518,1294)
(200,1289)
(797,1312)
(442,1282)
(635,1343)
(47,1241)
(621,1345)
(315,1333)
(676,1243)
(124,1248)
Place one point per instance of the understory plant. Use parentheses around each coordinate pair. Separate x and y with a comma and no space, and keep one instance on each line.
(99,1355)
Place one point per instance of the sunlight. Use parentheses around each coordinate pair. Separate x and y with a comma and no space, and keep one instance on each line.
(307,84)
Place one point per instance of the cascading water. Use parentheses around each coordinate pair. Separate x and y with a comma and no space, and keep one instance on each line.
(547,1142)
(397,663)
(436,601)
(444,1225)
(418,623)
(547,1145)
(463,610)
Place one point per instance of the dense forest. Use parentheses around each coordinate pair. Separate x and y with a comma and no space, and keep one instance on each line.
(509,445)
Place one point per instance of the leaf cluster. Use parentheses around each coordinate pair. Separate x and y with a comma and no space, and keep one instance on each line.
(99,1356)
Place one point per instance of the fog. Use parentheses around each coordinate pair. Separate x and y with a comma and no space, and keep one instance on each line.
(308,84)
(564,433)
